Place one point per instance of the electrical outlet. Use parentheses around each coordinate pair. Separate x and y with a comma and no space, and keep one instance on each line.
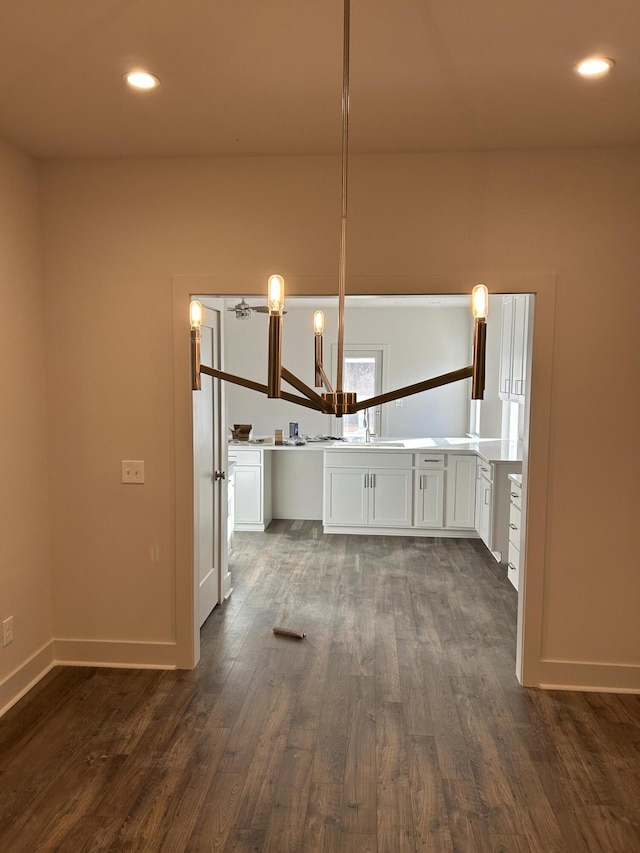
(132,471)
(7,631)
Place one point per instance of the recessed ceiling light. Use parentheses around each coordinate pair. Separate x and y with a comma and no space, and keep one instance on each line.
(141,80)
(594,66)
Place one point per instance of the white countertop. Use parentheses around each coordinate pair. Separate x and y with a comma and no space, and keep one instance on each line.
(491,450)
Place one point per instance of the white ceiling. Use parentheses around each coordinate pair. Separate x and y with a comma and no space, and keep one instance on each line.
(253,77)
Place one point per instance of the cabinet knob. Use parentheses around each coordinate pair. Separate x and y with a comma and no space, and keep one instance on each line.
(511,566)
(513,526)
(515,495)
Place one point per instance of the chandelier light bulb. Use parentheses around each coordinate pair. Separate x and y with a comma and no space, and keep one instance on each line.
(480,302)
(195,314)
(318,322)
(275,294)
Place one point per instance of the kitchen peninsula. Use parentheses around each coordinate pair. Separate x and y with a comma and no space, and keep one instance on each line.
(450,487)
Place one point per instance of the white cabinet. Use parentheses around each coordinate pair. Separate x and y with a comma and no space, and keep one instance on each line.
(346,498)
(492,504)
(365,488)
(461,491)
(515,525)
(484,502)
(390,498)
(252,488)
(429,493)
(513,348)
(428,498)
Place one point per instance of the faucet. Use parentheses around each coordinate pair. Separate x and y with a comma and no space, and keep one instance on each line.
(367,431)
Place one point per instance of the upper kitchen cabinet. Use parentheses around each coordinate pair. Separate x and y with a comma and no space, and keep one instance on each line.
(513,348)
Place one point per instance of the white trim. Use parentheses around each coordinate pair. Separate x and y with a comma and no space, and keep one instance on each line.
(19,682)
(426,532)
(583,675)
(114,653)
(536,441)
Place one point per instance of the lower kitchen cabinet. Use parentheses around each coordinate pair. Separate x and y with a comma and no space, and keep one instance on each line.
(365,488)
(428,496)
(426,493)
(515,526)
(484,502)
(429,499)
(492,504)
(461,491)
(252,488)
(367,496)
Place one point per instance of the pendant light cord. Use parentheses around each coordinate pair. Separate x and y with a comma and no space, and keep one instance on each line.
(342,270)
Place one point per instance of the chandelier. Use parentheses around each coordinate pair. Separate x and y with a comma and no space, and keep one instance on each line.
(336,401)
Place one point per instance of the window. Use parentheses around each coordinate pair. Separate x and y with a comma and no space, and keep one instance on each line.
(362,373)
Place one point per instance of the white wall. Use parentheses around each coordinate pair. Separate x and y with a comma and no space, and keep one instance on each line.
(422,343)
(25,580)
(116,232)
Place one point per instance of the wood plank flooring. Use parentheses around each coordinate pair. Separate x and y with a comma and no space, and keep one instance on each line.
(396,725)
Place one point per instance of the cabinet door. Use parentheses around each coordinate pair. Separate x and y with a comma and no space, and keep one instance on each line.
(248,489)
(345,496)
(506,348)
(485,505)
(461,491)
(519,348)
(390,497)
(429,499)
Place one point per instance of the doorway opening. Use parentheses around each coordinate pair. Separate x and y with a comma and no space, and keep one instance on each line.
(529,661)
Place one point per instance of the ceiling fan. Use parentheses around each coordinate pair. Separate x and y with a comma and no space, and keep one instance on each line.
(244,310)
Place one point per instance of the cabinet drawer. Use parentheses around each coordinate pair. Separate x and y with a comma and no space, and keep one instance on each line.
(515,495)
(515,519)
(485,469)
(513,565)
(245,457)
(368,459)
(514,557)
(430,460)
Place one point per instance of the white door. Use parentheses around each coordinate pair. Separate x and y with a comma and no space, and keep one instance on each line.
(209,476)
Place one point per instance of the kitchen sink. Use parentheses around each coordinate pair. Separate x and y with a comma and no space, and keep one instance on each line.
(367,445)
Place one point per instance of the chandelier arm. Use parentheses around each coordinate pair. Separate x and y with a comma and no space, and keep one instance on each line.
(257,386)
(231,377)
(408,390)
(325,379)
(342,270)
(292,379)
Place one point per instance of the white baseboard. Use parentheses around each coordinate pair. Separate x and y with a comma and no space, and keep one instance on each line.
(589,677)
(103,653)
(27,675)
(113,653)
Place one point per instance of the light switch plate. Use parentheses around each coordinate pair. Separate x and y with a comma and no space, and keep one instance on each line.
(132,471)
(7,631)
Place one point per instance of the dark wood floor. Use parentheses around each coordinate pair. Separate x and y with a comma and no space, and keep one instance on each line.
(396,725)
